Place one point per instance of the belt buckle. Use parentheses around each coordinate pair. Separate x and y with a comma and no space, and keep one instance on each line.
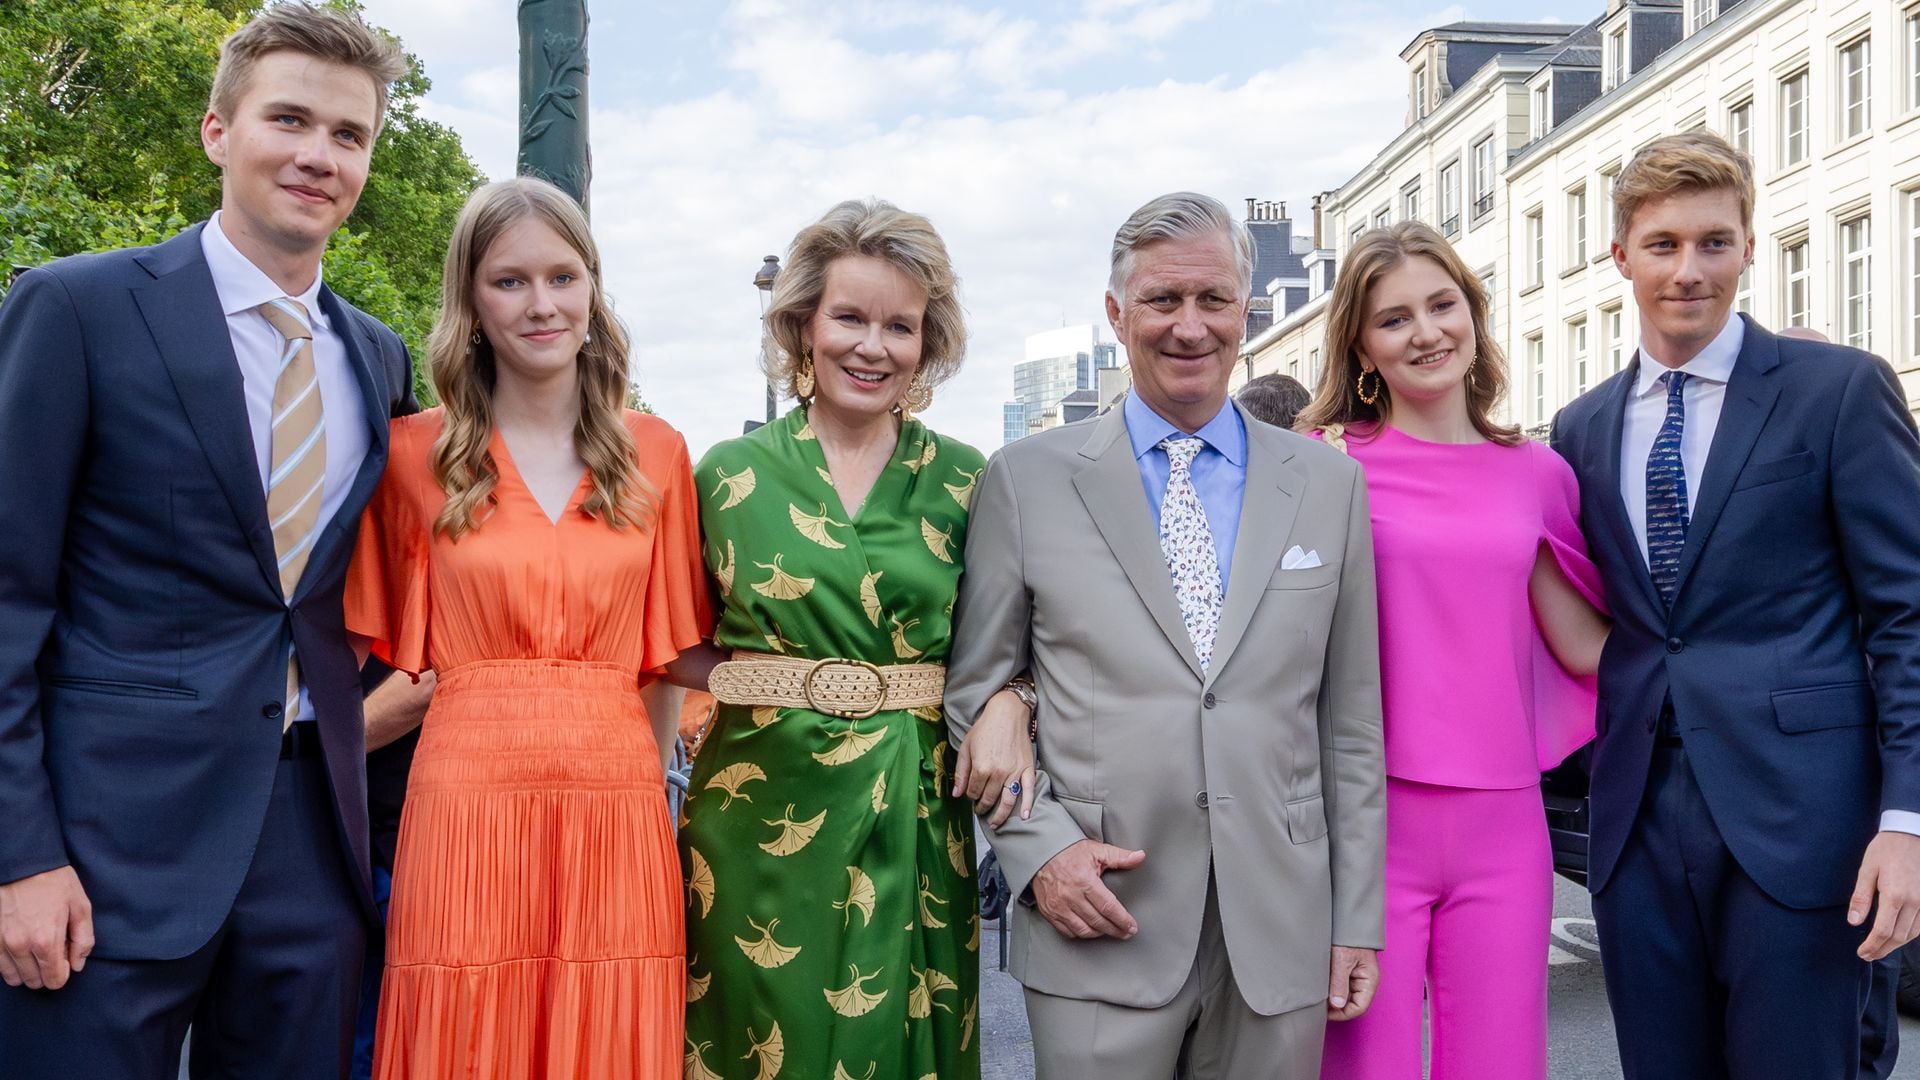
(845,713)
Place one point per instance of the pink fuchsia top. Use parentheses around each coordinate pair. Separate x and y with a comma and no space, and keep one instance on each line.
(1471,696)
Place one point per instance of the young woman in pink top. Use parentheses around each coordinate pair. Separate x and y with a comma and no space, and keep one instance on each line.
(1489,636)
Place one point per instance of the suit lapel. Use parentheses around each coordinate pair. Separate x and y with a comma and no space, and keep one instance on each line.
(1267,512)
(183,314)
(362,351)
(1110,487)
(1604,452)
(1749,401)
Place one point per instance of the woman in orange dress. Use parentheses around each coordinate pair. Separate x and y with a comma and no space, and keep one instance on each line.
(538,548)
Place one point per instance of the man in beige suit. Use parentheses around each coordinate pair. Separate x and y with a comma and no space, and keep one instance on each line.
(1192,593)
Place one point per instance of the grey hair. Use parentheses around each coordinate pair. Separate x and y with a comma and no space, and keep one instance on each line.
(1180,215)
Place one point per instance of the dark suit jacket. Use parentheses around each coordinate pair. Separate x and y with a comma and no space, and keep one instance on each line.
(1792,652)
(144,656)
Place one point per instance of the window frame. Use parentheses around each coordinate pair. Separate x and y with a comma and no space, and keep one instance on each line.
(1578,234)
(1791,138)
(1579,355)
(1481,201)
(1856,280)
(1613,336)
(1796,282)
(1534,235)
(1450,215)
(1854,118)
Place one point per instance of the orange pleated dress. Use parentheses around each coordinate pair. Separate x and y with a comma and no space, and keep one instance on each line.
(536,926)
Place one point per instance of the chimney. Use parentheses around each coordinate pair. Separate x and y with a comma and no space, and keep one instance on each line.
(1280,210)
(1250,209)
(1319,221)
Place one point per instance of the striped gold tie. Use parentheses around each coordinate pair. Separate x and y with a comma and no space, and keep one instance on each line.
(295,483)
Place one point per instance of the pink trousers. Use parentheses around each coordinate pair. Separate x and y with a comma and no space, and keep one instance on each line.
(1469,901)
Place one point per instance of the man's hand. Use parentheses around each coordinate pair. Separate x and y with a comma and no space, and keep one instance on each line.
(1069,892)
(1890,869)
(1355,975)
(46,929)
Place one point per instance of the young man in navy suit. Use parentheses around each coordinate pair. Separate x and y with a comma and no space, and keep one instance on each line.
(1751,501)
(193,430)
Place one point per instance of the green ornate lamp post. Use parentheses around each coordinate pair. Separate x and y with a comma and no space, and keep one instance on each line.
(553,94)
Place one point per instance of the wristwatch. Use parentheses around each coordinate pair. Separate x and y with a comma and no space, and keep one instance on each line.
(1023,689)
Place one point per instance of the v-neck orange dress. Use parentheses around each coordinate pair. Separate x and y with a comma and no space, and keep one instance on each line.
(536,926)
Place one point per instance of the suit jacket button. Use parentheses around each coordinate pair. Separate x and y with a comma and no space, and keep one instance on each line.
(1200,800)
(1209,700)
(1674,645)
(271,710)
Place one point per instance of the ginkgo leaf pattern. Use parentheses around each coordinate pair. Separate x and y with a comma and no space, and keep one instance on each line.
(766,952)
(939,541)
(814,526)
(735,776)
(739,486)
(794,835)
(860,896)
(852,999)
(782,585)
(823,954)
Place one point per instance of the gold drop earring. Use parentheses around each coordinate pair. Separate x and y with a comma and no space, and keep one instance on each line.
(918,398)
(803,378)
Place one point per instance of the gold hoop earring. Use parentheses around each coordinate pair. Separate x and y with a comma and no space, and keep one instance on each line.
(803,379)
(918,398)
(473,341)
(1360,387)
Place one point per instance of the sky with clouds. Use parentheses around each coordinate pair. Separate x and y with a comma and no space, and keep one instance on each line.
(1027,131)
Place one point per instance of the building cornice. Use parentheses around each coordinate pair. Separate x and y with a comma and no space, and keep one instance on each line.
(1510,67)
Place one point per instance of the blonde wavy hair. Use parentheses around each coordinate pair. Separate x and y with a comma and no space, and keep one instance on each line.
(876,228)
(464,374)
(1376,253)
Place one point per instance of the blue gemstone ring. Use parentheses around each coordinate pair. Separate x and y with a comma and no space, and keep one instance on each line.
(1013,788)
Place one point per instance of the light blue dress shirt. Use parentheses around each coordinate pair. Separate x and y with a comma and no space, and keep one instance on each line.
(1219,472)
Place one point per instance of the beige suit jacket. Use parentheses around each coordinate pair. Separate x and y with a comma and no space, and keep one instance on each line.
(1268,765)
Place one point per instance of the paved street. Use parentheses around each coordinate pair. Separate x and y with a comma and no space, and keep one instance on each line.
(1580,1033)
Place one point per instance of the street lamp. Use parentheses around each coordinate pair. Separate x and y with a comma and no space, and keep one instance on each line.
(763,280)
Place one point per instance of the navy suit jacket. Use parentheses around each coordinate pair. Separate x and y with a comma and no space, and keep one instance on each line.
(1792,650)
(143,663)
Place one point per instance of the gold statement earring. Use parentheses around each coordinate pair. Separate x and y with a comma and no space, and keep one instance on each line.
(918,398)
(1360,387)
(803,379)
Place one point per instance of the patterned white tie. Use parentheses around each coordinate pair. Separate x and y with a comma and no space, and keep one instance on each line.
(1187,545)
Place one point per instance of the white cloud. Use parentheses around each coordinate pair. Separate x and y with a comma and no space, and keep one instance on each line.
(1024,178)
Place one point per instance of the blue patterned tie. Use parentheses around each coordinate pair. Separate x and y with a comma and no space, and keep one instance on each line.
(1667,491)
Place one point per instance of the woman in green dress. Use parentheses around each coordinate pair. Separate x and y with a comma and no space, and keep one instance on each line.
(833,928)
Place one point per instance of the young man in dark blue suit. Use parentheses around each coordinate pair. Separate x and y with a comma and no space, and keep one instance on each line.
(1751,501)
(192,431)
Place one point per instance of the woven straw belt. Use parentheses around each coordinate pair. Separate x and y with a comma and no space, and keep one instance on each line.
(850,689)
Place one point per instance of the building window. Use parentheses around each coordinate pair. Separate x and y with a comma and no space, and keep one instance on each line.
(1536,250)
(1743,292)
(1793,119)
(1383,217)
(1796,294)
(1537,371)
(1482,177)
(1450,198)
(1359,230)
(1616,58)
(1313,366)
(1607,177)
(1486,286)
(1542,103)
(1856,282)
(1420,92)
(1699,15)
(1577,355)
(1913,58)
(1577,226)
(1613,323)
(1855,69)
(1740,127)
(1913,272)
(1410,202)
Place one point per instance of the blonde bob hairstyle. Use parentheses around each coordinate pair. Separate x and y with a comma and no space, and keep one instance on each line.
(1376,253)
(881,230)
(464,373)
(333,36)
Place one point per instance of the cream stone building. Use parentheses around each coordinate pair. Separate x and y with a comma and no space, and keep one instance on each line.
(1514,159)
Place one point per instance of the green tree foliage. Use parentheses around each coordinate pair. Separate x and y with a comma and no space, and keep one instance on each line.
(100,108)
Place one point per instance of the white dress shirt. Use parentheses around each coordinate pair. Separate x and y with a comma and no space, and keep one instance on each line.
(1704,394)
(242,288)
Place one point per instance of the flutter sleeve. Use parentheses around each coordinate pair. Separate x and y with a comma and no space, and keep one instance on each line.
(386,592)
(1563,703)
(679,604)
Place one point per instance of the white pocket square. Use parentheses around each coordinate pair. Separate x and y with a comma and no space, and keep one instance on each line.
(1295,559)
